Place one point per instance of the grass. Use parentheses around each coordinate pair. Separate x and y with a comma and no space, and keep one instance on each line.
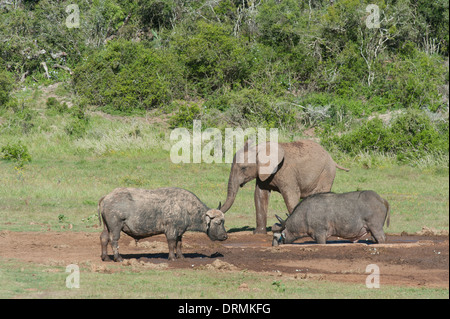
(19,280)
(35,195)
(59,189)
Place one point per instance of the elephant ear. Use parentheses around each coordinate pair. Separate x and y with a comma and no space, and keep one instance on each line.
(269,156)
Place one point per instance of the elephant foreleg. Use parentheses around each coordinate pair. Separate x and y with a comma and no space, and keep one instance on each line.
(261,205)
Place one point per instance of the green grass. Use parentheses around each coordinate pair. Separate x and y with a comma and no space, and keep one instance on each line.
(19,280)
(34,196)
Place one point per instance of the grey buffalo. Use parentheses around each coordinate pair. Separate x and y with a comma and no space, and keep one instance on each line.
(143,213)
(348,215)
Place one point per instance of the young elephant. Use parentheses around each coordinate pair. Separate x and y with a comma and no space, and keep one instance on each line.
(143,213)
(348,215)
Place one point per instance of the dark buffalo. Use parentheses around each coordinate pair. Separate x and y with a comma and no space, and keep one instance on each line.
(348,215)
(143,213)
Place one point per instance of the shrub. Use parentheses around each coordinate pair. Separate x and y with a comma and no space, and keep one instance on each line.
(213,57)
(17,152)
(252,107)
(54,105)
(155,13)
(21,121)
(185,115)
(77,127)
(436,16)
(79,122)
(321,109)
(372,135)
(6,85)
(414,134)
(410,135)
(126,76)
(280,23)
(413,81)
(277,73)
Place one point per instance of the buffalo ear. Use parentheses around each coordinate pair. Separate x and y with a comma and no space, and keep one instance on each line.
(269,156)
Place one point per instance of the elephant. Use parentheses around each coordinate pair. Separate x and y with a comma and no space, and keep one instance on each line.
(299,169)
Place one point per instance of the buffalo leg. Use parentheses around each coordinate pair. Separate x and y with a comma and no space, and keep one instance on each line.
(114,238)
(379,236)
(104,240)
(179,253)
(172,246)
(321,237)
(172,241)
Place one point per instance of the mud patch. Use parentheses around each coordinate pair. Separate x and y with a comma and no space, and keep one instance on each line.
(219,265)
(408,260)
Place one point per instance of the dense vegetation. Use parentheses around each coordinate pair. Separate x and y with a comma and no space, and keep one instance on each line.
(292,64)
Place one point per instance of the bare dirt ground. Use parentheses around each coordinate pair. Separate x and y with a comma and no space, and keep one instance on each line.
(405,260)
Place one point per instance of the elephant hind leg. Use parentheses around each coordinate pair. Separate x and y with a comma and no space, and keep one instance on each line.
(326,179)
(291,198)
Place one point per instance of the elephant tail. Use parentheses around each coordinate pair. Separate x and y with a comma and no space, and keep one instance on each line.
(342,168)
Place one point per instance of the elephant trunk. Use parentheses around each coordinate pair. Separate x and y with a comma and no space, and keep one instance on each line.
(233,187)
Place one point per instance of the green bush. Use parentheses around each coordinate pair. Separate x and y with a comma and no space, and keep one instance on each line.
(156,14)
(37,29)
(214,59)
(127,76)
(77,127)
(410,135)
(436,15)
(371,135)
(54,105)
(6,86)
(252,107)
(21,121)
(185,114)
(279,73)
(413,81)
(415,133)
(280,23)
(17,152)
